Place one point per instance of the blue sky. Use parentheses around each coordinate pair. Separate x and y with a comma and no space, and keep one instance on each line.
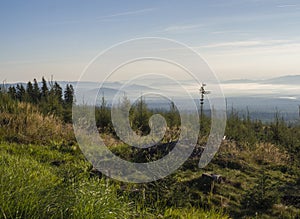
(238,38)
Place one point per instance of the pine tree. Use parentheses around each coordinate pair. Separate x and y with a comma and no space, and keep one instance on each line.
(53,100)
(125,104)
(45,89)
(29,92)
(68,103)
(57,90)
(36,91)
(69,95)
(12,92)
(141,116)
(21,92)
(103,116)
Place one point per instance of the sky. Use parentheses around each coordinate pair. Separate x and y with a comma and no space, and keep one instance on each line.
(239,39)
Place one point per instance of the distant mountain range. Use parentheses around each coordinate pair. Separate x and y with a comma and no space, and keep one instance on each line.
(261,97)
(151,84)
(289,79)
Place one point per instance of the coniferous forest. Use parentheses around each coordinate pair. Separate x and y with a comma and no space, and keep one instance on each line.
(255,173)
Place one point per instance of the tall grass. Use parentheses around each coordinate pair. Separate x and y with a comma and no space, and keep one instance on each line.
(25,188)
(30,188)
(193,213)
(23,123)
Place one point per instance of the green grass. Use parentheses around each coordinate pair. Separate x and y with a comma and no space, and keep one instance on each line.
(56,182)
(33,188)
(44,175)
(193,213)
(26,185)
(44,182)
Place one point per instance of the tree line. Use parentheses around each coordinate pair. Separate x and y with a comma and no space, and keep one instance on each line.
(49,97)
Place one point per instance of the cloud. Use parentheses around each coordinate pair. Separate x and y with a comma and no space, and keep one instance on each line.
(289,49)
(247,43)
(126,13)
(286,6)
(239,89)
(182,27)
(106,17)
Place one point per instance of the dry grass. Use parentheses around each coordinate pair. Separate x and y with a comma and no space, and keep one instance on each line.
(28,125)
(270,153)
(260,152)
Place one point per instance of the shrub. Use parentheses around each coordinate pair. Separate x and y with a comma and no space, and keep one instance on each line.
(261,197)
(23,123)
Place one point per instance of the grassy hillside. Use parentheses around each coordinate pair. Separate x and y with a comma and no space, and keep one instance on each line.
(46,182)
(43,182)
(43,173)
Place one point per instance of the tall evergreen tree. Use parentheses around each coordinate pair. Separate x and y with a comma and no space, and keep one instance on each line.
(68,102)
(21,92)
(45,89)
(57,90)
(141,116)
(53,100)
(36,91)
(103,115)
(29,93)
(69,95)
(12,92)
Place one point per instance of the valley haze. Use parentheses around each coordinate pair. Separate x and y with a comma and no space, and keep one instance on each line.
(261,98)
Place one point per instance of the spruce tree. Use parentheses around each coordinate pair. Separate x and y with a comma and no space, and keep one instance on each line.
(12,92)
(141,116)
(36,91)
(57,90)
(29,93)
(103,116)
(21,92)
(68,102)
(69,95)
(45,89)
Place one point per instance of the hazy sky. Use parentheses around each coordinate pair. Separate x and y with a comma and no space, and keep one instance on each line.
(238,38)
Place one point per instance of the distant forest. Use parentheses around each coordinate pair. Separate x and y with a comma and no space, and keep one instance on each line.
(50,99)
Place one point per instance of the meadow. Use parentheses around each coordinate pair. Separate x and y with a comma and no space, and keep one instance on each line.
(44,174)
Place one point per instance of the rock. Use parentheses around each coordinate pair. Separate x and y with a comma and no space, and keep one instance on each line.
(213,177)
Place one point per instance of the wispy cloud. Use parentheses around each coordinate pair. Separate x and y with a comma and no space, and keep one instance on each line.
(248,43)
(127,13)
(220,32)
(177,28)
(107,17)
(286,50)
(286,6)
(228,32)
